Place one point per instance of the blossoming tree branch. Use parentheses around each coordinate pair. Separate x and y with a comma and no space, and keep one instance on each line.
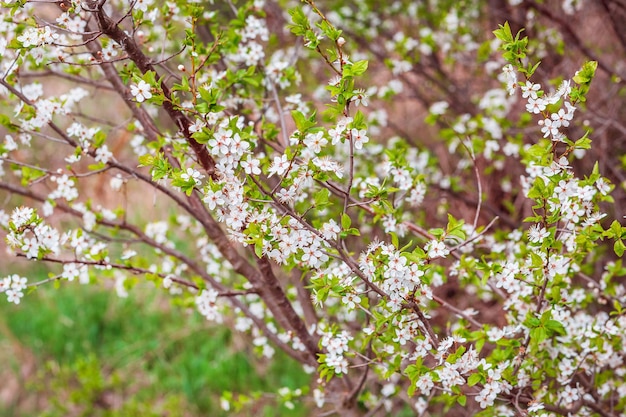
(269,165)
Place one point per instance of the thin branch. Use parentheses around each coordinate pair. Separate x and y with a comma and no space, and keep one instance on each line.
(281,115)
(476,236)
(353,395)
(69,77)
(457,311)
(130,268)
(479,203)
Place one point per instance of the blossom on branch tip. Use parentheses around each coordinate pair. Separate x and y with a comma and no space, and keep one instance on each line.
(279,166)
(21,216)
(536,106)
(549,128)
(530,90)
(561,118)
(251,165)
(436,249)
(214,198)
(360,98)
(359,137)
(438,108)
(537,234)
(141,91)
(13,286)
(103,154)
(315,141)
(192,174)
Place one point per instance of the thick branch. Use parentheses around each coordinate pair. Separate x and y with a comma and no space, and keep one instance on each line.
(110,28)
(264,280)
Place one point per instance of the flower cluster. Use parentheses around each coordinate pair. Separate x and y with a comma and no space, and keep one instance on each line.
(336,345)
(400,278)
(13,286)
(29,234)
(206,303)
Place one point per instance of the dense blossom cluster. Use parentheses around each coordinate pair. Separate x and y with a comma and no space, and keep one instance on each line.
(292,205)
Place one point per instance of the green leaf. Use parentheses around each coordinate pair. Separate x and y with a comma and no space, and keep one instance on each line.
(532,68)
(6,122)
(300,21)
(438,232)
(504,33)
(302,123)
(353,231)
(160,167)
(595,173)
(258,249)
(614,231)
(538,190)
(358,122)
(538,334)
(183,86)
(584,142)
(356,69)
(586,73)
(537,150)
(99,138)
(619,247)
(455,227)
(474,379)
(330,31)
(346,221)
(532,322)
(30,174)
(203,136)
(96,167)
(533,219)
(555,327)
(322,197)
(394,240)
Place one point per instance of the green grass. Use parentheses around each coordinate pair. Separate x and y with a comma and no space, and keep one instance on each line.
(139,354)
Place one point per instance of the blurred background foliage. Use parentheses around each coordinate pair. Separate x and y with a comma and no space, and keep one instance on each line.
(83,351)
